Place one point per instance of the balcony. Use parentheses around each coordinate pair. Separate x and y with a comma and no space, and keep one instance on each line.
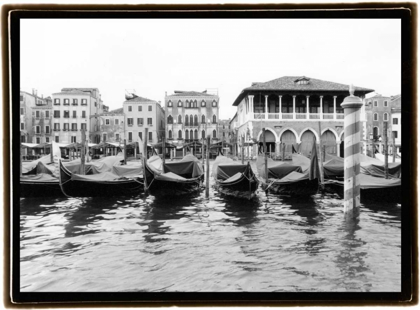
(66,103)
(74,116)
(83,103)
(56,129)
(74,103)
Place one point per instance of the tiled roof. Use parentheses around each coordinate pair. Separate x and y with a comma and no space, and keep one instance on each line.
(140,99)
(189,94)
(289,83)
(78,88)
(72,92)
(116,111)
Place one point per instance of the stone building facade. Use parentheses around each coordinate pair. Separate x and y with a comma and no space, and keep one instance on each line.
(141,113)
(295,111)
(396,121)
(191,116)
(112,126)
(223,130)
(42,122)
(29,102)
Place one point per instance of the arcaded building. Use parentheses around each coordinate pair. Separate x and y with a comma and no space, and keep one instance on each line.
(295,110)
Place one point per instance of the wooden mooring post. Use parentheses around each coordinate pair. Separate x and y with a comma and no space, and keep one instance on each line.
(163,152)
(208,168)
(144,161)
(352,129)
(265,156)
(82,153)
(242,149)
(125,152)
(386,149)
(394,149)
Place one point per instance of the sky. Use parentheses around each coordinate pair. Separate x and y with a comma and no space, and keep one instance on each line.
(155,56)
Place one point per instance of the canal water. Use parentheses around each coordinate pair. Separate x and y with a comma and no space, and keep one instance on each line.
(221,244)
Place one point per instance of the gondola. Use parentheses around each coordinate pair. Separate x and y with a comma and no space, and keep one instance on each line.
(174,178)
(101,184)
(234,179)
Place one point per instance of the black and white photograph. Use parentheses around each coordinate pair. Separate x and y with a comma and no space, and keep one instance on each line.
(166,154)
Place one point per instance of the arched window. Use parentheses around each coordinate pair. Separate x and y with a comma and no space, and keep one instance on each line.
(170,119)
(170,134)
(203,103)
(179,119)
(191,134)
(196,134)
(187,104)
(385,117)
(214,133)
(186,134)
(195,120)
(169,103)
(186,120)
(195,103)
(214,119)
(203,119)
(375,116)
(191,120)
(179,103)
(203,134)
(214,103)
(179,134)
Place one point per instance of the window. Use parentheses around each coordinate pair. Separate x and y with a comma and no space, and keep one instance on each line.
(195,103)
(191,120)
(66,127)
(74,101)
(195,120)
(203,134)
(117,121)
(47,114)
(149,121)
(83,114)
(214,119)
(57,139)
(169,103)
(107,121)
(74,114)
(187,134)
(130,108)
(375,116)
(214,133)
(186,120)
(203,103)
(140,121)
(141,135)
(385,103)
(130,121)
(47,129)
(179,134)
(214,104)
(84,101)
(196,134)
(56,101)
(73,139)
(74,127)
(66,114)
(96,104)
(170,119)
(22,111)
(37,114)
(187,103)
(21,98)
(139,108)
(130,136)
(22,139)
(38,140)
(375,103)
(203,119)
(395,121)
(223,134)
(395,134)
(117,137)
(179,103)
(22,126)
(179,119)
(150,136)
(104,137)
(170,134)
(83,126)
(66,102)
(47,139)
(150,108)
(57,126)
(38,129)
(385,117)
(39,102)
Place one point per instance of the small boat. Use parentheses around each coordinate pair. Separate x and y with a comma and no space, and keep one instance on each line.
(174,178)
(102,184)
(288,178)
(234,179)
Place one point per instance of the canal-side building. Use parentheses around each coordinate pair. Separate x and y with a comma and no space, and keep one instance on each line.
(112,126)
(42,121)
(223,130)
(29,102)
(292,109)
(396,121)
(141,113)
(75,109)
(191,116)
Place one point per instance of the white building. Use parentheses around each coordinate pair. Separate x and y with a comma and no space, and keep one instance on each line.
(396,121)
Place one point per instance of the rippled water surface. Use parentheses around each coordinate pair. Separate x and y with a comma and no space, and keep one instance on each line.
(270,244)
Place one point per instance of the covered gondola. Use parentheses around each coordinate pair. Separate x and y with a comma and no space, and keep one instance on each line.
(174,178)
(234,179)
(102,184)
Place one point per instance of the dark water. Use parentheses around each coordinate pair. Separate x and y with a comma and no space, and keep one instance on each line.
(270,244)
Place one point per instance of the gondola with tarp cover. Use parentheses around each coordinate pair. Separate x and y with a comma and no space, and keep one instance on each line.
(174,178)
(233,178)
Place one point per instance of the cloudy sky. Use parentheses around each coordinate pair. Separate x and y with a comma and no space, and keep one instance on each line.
(158,56)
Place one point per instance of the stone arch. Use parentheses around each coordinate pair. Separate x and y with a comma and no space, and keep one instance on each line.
(329,141)
(307,141)
(272,131)
(170,119)
(310,129)
(337,137)
(292,130)
(179,119)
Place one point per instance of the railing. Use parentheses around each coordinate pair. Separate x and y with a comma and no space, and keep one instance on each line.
(328,115)
(259,115)
(314,116)
(300,115)
(273,115)
(56,129)
(340,116)
(287,115)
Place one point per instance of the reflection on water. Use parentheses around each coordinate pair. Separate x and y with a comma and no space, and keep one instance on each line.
(270,244)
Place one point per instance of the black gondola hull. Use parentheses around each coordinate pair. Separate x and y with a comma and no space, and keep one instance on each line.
(77,188)
(301,188)
(40,189)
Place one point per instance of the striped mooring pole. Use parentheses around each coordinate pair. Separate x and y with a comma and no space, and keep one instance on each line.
(352,131)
